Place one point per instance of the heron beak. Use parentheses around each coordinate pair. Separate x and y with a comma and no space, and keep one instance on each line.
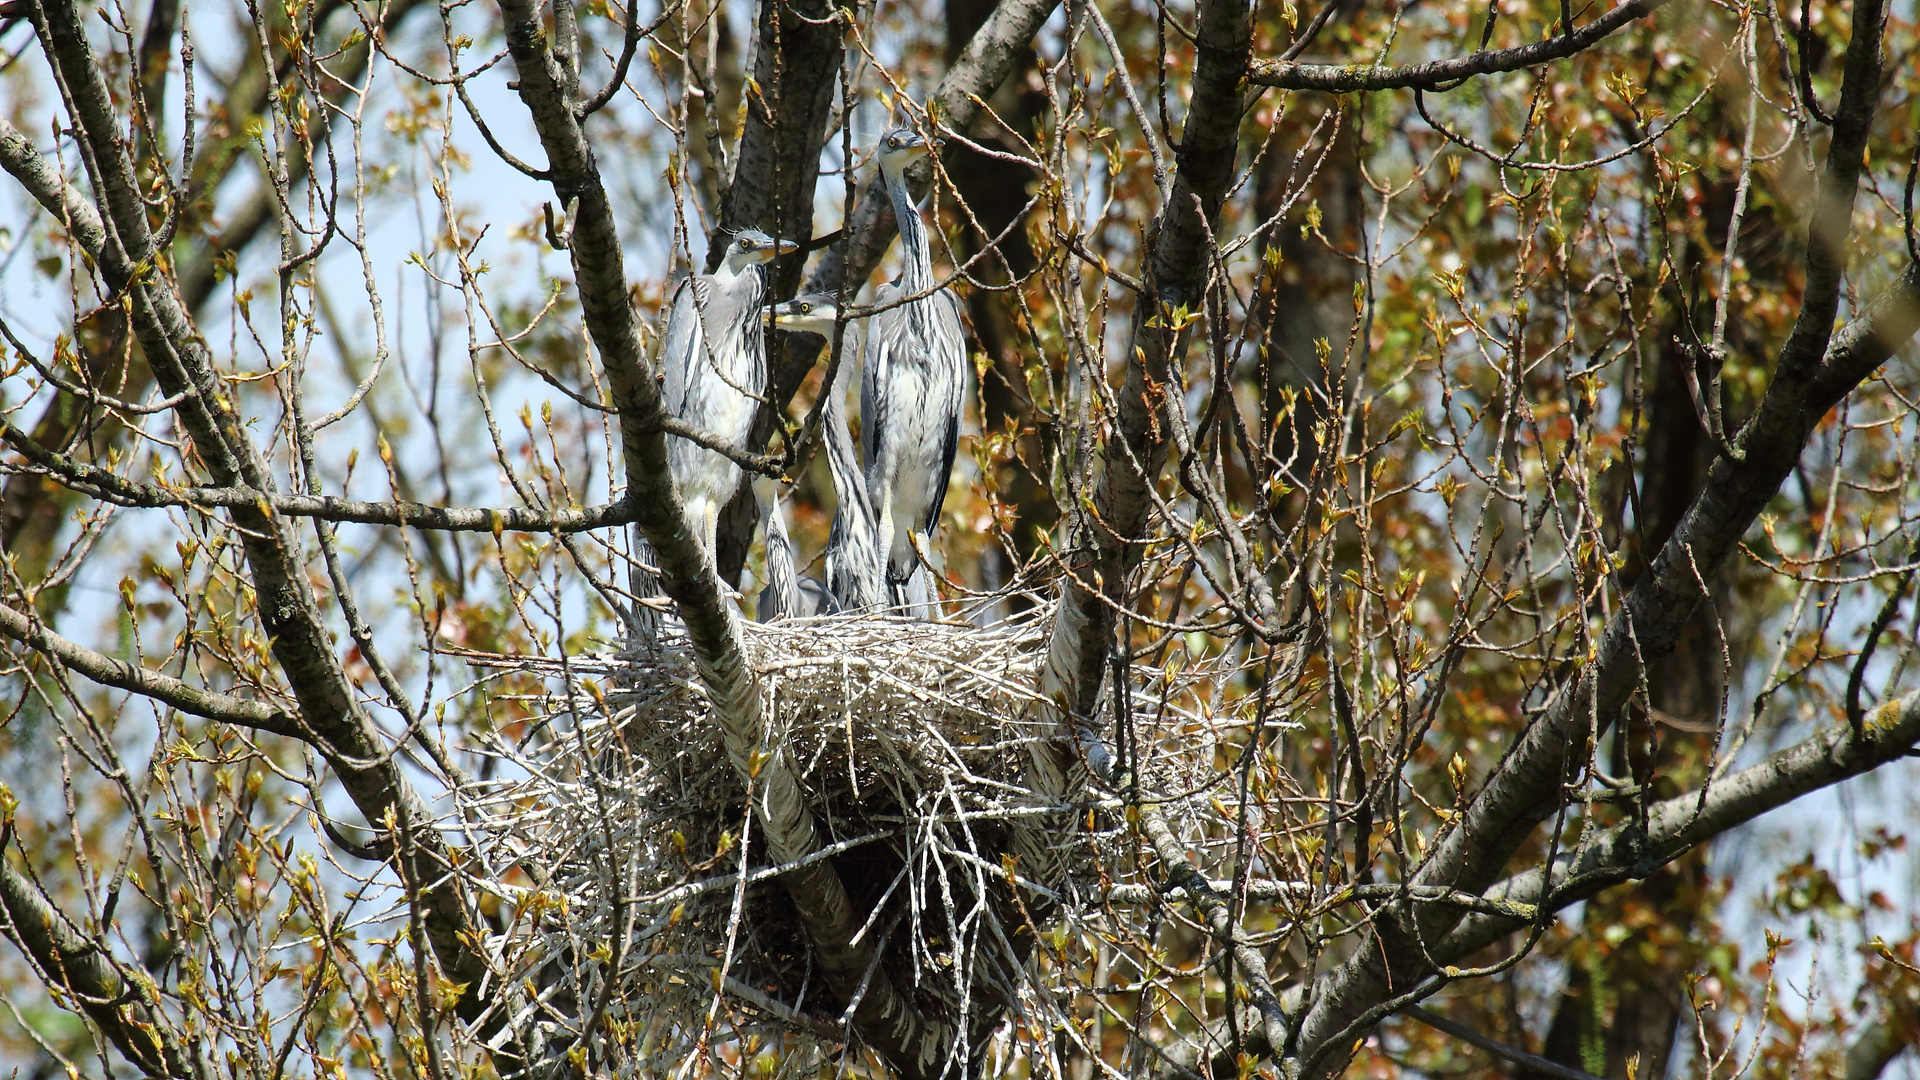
(786,247)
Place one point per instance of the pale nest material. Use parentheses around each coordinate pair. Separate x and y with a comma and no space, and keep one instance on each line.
(617,820)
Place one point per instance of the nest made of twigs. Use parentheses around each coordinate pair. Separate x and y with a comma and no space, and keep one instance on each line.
(619,827)
(621,810)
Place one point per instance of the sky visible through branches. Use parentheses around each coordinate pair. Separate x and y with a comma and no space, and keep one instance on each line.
(1406,538)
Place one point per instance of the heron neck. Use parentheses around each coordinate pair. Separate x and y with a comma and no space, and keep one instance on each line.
(843,462)
(917,275)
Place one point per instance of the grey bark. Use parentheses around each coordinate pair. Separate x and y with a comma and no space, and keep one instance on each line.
(1526,786)
(111,487)
(123,1008)
(29,515)
(1816,369)
(1135,454)
(111,671)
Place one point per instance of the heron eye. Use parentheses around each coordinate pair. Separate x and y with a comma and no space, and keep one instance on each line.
(805,308)
(746,244)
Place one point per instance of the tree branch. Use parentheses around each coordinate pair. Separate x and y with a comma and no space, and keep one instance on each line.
(1815,370)
(42,180)
(124,1010)
(1495,1047)
(1349,78)
(1524,789)
(108,671)
(1675,826)
(111,487)
(986,62)
(1136,452)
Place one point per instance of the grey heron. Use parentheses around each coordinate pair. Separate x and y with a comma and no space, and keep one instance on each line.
(912,389)
(853,568)
(787,595)
(714,358)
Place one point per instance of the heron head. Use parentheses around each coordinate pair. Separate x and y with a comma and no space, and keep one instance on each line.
(813,313)
(751,247)
(900,147)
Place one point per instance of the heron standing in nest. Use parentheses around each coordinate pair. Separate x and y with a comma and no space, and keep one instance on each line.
(714,357)
(911,391)
(853,567)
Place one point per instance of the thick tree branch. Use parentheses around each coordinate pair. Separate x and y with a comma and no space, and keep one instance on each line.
(778,159)
(1135,454)
(66,203)
(885,1018)
(1815,370)
(28,518)
(986,62)
(1626,853)
(1832,220)
(123,1009)
(1349,78)
(990,56)
(1675,826)
(1218,916)
(108,671)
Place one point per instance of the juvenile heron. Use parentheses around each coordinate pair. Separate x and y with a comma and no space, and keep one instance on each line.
(787,595)
(912,389)
(714,357)
(853,570)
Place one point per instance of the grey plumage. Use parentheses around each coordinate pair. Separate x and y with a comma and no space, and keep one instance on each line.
(781,597)
(787,595)
(714,359)
(852,560)
(911,391)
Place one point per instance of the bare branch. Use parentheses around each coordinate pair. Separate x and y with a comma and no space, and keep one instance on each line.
(885,1018)
(111,487)
(108,671)
(1435,74)
(1677,825)
(288,611)
(43,181)
(1495,1047)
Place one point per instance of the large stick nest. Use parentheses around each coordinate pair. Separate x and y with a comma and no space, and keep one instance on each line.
(618,828)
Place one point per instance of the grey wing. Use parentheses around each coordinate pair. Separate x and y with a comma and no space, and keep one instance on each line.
(683,341)
(816,600)
(950,344)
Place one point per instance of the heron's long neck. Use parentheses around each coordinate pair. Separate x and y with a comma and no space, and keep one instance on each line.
(750,285)
(917,277)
